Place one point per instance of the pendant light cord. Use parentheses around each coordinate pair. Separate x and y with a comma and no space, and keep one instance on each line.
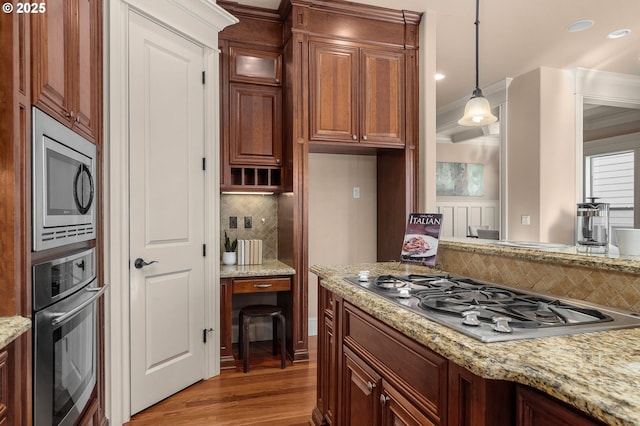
(477,23)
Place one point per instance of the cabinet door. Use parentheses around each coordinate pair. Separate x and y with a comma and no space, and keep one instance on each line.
(87,68)
(255,135)
(383,97)
(255,66)
(360,387)
(536,409)
(398,410)
(66,52)
(52,52)
(4,387)
(333,91)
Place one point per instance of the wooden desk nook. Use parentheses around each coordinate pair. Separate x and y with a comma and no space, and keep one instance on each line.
(272,277)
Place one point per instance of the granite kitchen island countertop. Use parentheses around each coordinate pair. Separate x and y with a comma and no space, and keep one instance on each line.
(598,372)
(11,328)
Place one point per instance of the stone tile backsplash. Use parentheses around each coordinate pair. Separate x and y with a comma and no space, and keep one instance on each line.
(618,290)
(259,207)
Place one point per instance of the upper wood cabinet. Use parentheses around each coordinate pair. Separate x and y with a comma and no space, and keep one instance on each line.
(255,125)
(251,101)
(357,94)
(255,66)
(66,63)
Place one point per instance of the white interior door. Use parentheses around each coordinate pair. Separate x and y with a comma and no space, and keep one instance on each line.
(166,122)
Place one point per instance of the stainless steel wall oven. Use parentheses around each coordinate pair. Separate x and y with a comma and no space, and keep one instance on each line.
(64,170)
(65,293)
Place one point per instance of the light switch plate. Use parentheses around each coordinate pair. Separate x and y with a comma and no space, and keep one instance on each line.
(356,192)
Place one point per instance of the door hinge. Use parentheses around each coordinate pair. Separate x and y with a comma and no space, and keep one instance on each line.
(203,77)
(204,250)
(204,163)
(204,334)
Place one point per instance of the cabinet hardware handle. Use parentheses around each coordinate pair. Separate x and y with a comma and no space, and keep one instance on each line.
(278,160)
(364,138)
(370,386)
(384,399)
(262,285)
(331,301)
(277,80)
(354,137)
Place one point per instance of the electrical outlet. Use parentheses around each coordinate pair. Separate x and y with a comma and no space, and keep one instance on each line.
(525,220)
(233,222)
(247,222)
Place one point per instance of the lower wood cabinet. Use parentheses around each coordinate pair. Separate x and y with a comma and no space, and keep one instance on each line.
(370,374)
(398,410)
(360,391)
(538,409)
(4,387)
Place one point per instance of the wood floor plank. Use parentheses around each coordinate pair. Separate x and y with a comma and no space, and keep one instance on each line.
(265,396)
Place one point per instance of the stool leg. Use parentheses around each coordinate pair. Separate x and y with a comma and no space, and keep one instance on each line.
(274,335)
(283,341)
(240,340)
(245,344)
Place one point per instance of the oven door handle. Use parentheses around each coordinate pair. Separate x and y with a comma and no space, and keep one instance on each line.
(75,311)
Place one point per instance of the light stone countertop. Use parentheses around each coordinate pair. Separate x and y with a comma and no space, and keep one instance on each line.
(11,328)
(598,373)
(566,255)
(268,268)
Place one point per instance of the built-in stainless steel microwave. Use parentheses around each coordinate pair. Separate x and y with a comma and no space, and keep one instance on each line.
(63,186)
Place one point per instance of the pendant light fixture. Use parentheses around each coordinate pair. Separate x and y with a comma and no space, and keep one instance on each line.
(477,111)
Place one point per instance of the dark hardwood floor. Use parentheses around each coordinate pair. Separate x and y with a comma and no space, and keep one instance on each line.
(265,396)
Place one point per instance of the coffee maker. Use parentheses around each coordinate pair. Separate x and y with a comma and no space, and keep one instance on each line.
(592,234)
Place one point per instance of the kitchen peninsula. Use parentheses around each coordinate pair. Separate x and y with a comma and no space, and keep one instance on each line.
(582,379)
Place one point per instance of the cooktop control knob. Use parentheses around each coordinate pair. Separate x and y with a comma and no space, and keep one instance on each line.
(501,324)
(471,318)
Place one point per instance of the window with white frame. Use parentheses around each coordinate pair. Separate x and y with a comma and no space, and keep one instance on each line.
(610,178)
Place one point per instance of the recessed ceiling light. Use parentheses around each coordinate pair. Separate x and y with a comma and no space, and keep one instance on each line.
(580,25)
(439,76)
(619,33)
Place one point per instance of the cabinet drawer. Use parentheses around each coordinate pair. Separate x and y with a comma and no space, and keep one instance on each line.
(261,285)
(422,373)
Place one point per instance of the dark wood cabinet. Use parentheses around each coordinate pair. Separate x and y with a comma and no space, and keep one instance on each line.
(251,65)
(414,378)
(398,410)
(537,409)
(360,392)
(251,101)
(357,94)
(4,387)
(255,127)
(66,63)
(386,378)
(279,285)
(328,355)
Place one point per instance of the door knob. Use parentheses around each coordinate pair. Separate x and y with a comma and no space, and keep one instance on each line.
(139,263)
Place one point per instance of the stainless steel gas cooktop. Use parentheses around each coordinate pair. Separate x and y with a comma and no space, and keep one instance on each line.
(491,312)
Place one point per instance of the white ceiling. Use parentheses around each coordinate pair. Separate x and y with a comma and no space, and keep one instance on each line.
(517,36)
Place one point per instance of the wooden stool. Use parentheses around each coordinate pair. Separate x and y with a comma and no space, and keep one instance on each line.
(256,311)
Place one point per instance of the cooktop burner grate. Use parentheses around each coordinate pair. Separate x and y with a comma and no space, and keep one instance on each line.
(491,312)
